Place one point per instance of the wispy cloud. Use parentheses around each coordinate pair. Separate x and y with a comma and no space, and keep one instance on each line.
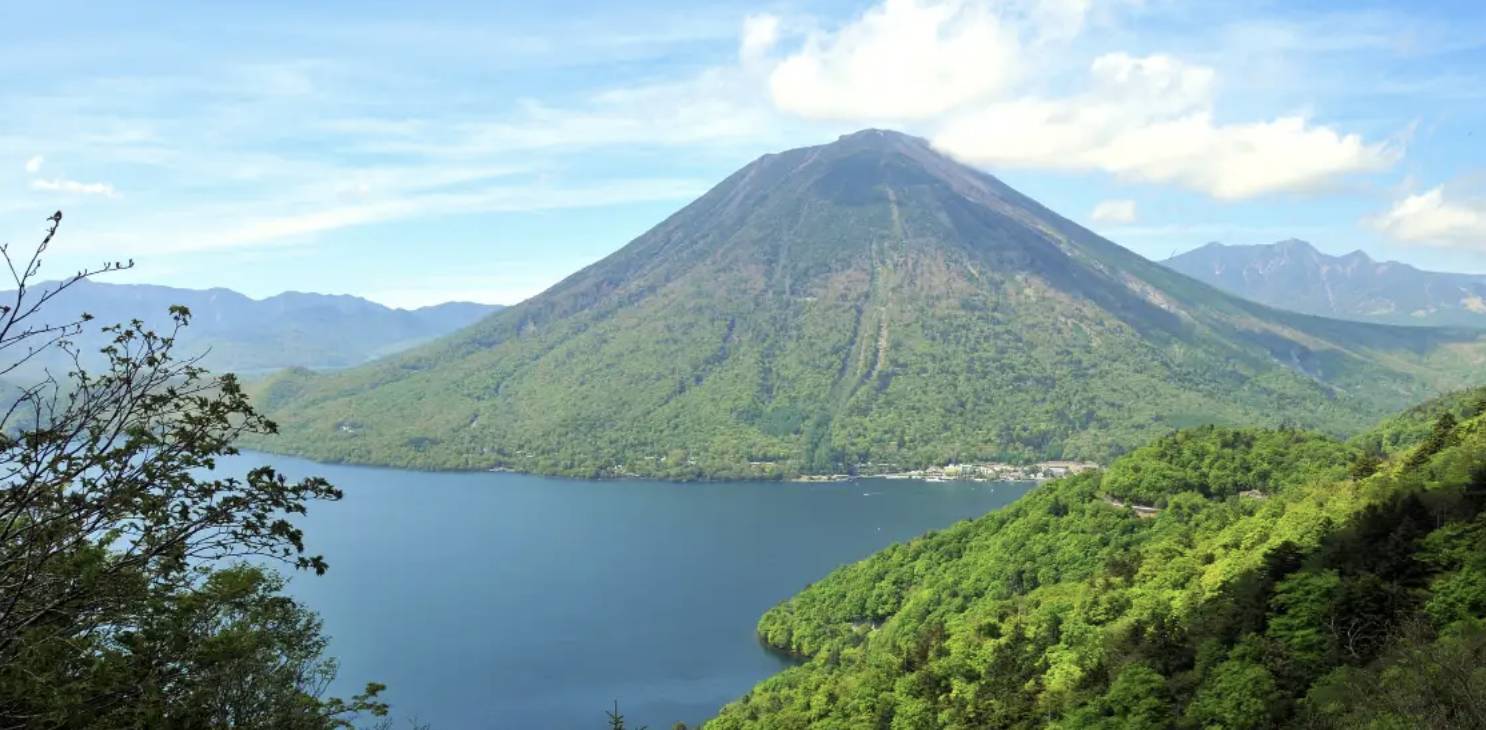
(499,198)
(33,165)
(222,227)
(60,185)
(760,34)
(1114,211)
(282,170)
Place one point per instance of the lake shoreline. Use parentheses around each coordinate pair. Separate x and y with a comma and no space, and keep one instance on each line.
(975,472)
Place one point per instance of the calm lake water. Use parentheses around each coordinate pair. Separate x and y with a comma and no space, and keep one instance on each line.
(490,600)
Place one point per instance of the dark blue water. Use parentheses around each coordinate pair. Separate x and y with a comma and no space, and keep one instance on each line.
(510,601)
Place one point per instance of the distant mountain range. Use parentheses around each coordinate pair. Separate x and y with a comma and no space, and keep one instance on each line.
(867,304)
(1294,275)
(244,335)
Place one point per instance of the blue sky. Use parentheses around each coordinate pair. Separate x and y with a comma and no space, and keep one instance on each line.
(483,151)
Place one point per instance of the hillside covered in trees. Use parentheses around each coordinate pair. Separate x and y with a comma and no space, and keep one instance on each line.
(1285,579)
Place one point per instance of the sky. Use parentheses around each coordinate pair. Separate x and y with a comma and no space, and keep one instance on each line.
(482,151)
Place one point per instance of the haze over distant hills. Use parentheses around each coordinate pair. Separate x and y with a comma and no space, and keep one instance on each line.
(866,302)
(1294,275)
(245,335)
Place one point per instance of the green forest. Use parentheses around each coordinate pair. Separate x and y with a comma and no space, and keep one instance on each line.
(1282,579)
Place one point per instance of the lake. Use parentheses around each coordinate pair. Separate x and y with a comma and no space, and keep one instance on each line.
(498,600)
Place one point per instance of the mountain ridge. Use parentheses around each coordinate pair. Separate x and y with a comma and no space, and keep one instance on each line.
(237,333)
(867,301)
(1293,274)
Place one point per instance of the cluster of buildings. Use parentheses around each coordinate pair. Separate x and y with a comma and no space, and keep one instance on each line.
(999,472)
(979,472)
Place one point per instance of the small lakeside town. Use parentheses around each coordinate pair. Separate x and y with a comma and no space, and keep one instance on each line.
(978,472)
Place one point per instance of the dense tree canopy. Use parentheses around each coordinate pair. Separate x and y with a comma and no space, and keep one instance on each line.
(1274,587)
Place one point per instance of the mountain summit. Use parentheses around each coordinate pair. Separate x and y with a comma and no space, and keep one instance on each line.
(1294,275)
(865,302)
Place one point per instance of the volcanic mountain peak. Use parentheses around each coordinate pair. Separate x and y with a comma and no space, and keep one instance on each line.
(877,139)
(865,302)
(880,159)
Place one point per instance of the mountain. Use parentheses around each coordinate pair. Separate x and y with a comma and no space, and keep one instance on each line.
(1271,579)
(1294,275)
(866,302)
(243,335)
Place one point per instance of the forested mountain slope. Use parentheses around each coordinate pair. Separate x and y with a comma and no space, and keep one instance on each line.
(1294,275)
(1287,580)
(865,301)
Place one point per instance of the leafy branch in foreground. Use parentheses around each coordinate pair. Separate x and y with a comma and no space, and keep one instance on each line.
(19,327)
(123,601)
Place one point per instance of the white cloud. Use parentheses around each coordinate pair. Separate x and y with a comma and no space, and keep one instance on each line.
(962,73)
(59,185)
(1060,19)
(1114,211)
(33,165)
(1430,218)
(1152,119)
(901,60)
(760,34)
